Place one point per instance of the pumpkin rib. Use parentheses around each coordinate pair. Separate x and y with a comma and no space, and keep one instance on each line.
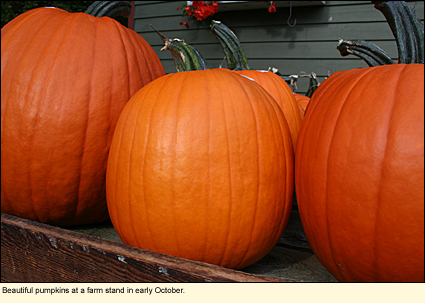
(270,109)
(40,109)
(123,35)
(85,136)
(207,234)
(134,107)
(395,86)
(322,90)
(112,215)
(348,92)
(380,184)
(153,72)
(173,164)
(146,147)
(349,86)
(257,179)
(229,171)
(131,132)
(4,113)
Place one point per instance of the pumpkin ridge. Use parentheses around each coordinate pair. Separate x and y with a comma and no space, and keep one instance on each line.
(153,72)
(173,169)
(273,112)
(241,79)
(87,122)
(132,108)
(119,131)
(6,105)
(209,173)
(233,110)
(229,171)
(41,106)
(146,146)
(382,169)
(349,86)
(123,33)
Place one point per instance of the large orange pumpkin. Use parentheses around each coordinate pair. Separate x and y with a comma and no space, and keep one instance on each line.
(272,83)
(65,77)
(360,173)
(201,167)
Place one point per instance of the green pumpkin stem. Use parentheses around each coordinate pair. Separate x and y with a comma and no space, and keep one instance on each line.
(407,30)
(235,55)
(369,52)
(185,57)
(110,9)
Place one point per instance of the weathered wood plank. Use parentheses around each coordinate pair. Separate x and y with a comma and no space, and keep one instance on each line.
(35,252)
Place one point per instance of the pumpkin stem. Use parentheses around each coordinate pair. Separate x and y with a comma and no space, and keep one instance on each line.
(185,57)
(235,55)
(372,54)
(110,9)
(314,84)
(407,30)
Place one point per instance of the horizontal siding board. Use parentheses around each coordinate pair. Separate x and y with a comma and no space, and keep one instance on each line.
(309,33)
(284,50)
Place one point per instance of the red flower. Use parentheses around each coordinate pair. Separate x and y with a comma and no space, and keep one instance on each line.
(272,8)
(199,10)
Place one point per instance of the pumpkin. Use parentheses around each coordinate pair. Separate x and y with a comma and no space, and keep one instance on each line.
(65,77)
(201,167)
(272,83)
(300,107)
(359,166)
(302,100)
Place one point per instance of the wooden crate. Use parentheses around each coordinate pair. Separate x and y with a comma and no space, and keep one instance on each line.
(36,252)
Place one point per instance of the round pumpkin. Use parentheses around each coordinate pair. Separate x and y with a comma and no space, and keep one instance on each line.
(360,161)
(360,174)
(65,77)
(201,167)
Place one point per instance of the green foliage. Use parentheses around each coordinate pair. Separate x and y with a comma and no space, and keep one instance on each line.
(11,9)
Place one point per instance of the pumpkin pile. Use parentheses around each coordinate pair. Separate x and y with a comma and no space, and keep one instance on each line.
(203,163)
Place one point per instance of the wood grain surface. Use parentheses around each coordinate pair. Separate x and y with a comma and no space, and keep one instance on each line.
(36,252)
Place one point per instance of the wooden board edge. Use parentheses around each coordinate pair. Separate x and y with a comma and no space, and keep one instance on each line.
(37,252)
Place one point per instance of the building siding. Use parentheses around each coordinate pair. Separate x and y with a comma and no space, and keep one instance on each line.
(268,41)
